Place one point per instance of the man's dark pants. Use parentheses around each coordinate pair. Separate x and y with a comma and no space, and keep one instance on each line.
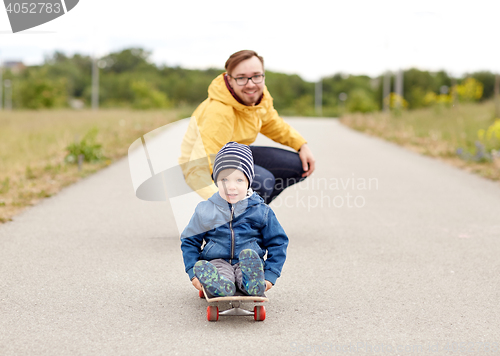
(275,170)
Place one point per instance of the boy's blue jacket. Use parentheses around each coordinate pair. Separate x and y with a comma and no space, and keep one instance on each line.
(253,225)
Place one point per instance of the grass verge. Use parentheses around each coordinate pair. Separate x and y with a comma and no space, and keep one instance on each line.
(33,148)
(437,132)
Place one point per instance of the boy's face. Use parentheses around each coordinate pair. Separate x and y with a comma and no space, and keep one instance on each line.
(233,185)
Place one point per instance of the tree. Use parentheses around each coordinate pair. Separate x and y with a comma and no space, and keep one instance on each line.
(488,80)
(287,89)
(359,100)
(131,59)
(147,97)
(360,89)
(75,70)
(38,90)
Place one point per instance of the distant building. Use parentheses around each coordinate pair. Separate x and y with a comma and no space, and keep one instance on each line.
(15,66)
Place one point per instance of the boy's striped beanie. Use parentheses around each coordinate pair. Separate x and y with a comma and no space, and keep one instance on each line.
(236,156)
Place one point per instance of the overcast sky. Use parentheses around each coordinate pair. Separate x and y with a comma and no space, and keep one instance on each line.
(310,38)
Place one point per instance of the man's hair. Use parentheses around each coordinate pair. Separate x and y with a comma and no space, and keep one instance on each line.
(240,56)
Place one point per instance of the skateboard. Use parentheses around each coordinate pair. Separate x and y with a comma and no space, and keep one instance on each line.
(235,301)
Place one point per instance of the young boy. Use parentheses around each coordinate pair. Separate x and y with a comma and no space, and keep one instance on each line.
(238,228)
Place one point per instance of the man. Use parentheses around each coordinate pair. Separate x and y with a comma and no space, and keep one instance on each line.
(238,107)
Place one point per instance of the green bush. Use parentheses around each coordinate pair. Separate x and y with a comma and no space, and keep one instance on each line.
(147,97)
(470,90)
(38,91)
(87,147)
(304,105)
(359,100)
(417,98)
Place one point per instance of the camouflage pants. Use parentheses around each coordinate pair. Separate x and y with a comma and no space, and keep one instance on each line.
(231,272)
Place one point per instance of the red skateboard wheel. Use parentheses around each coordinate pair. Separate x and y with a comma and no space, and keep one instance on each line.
(212,313)
(259,313)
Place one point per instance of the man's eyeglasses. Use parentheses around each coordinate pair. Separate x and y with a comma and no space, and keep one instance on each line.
(256,79)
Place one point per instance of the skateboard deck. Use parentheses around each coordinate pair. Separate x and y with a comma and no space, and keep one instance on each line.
(213,313)
(237,296)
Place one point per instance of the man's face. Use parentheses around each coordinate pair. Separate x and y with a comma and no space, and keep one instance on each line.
(251,92)
(232,184)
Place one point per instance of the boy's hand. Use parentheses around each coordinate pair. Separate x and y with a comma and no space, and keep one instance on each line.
(269,285)
(196,283)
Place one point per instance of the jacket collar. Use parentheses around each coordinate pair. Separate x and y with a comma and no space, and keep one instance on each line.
(239,207)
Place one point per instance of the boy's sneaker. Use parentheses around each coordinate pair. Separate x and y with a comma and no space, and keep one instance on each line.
(253,272)
(214,284)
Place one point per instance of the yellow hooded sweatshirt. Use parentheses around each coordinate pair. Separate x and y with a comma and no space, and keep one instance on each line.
(221,119)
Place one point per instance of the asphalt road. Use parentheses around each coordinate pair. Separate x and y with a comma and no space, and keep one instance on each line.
(405,261)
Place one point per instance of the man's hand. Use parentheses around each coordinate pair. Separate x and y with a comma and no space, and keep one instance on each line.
(196,283)
(269,285)
(307,159)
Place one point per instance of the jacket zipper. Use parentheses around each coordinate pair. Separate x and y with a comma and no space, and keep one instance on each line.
(232,235)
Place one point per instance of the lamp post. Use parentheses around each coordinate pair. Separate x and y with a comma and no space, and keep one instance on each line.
(342,98)
(399,88)
(386,91)
(95,83)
